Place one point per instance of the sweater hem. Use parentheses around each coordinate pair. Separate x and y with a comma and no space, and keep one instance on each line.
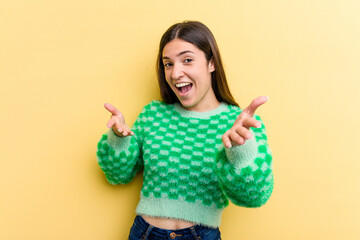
(197,213)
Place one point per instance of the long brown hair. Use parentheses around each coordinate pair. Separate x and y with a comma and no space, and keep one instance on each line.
(200,35)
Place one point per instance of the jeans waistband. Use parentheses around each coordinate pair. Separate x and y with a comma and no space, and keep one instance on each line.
(185,233)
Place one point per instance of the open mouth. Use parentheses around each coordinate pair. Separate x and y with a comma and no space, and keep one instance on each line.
(183,88)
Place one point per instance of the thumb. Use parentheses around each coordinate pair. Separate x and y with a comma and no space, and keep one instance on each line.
(257,102)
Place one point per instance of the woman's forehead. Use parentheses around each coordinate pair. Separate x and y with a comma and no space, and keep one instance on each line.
(178,47)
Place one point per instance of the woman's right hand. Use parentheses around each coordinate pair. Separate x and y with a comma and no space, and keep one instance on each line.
(117,122)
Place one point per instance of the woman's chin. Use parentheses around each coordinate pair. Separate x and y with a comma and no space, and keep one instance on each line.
(186,103)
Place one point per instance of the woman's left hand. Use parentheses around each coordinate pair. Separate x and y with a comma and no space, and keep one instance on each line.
(239,132)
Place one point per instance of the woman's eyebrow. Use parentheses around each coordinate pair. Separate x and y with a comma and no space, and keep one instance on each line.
(181,53)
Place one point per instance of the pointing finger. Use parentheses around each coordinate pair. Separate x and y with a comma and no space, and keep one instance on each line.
(112,109)
(257,102)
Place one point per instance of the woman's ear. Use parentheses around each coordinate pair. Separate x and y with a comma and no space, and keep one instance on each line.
(211,65)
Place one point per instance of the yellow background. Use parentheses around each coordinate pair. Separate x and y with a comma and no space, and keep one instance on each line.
(60,61)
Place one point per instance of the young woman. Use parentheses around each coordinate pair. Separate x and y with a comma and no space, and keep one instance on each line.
(197,148)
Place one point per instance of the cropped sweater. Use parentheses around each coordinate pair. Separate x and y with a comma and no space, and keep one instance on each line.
(188,174)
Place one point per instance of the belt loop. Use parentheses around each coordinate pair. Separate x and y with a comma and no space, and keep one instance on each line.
(194,233)
(147,232)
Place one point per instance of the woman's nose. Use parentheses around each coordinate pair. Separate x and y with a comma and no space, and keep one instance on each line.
(177,72)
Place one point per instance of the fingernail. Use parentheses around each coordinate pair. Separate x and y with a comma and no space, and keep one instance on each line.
(132,133)
(268,98)
(119,130)
(229,146)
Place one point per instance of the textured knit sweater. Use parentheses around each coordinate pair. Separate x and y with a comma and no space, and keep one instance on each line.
(188,173)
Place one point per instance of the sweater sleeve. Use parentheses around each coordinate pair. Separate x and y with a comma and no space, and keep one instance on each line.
(245,171)
(120,158)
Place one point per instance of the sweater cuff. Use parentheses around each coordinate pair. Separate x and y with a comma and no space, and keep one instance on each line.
(118,143)
(242,155)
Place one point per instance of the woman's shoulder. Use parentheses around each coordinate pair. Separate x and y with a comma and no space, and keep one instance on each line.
(233,110)
(155,106)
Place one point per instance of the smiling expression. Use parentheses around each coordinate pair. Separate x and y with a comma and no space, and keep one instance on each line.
(188,73)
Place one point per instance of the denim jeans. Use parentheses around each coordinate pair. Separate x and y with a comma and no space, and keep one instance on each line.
(142,230)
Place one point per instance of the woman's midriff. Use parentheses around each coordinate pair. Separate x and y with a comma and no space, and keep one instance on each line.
(166,223)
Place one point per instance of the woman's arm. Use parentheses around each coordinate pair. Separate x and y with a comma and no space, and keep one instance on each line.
(245,171)
(245,165)
(119,155)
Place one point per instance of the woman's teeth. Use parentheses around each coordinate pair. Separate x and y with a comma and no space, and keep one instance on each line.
(183,88)
(179,85)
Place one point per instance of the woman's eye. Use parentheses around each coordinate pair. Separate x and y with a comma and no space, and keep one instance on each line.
(187,60)
(167,64)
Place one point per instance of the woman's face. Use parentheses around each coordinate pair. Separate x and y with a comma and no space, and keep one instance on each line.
(188,73)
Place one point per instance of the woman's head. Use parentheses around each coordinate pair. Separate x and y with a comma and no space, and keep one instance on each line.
(201,37)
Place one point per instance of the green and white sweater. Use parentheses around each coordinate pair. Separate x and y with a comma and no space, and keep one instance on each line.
(188,173)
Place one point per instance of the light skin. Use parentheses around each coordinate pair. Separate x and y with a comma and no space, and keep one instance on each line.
(186,64)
